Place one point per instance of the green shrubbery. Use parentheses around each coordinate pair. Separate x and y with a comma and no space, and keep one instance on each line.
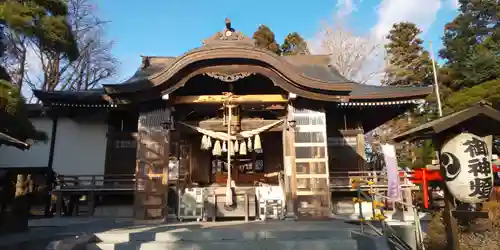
(488,91)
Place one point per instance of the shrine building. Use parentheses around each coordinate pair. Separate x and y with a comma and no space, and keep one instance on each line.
(289,122)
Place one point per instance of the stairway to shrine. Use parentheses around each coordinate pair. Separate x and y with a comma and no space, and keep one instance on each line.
(317,235)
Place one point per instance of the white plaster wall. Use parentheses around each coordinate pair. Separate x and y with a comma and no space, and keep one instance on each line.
(36,156)
(80,147)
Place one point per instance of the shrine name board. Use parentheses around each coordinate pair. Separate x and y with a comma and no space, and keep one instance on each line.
(466,161)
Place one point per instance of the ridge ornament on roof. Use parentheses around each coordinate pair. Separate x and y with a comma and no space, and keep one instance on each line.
(229,34)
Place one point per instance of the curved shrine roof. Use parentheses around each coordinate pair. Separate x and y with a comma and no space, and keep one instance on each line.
(308,76)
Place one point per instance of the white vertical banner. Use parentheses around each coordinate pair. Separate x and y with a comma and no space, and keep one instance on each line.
(393,185)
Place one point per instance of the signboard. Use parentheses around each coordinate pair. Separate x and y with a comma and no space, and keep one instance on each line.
(466,161)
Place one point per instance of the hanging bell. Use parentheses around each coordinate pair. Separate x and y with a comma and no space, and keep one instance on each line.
(243,148)
(217,150)
(257,145)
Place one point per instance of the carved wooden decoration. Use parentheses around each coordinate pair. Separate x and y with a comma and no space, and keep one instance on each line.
(229,77)
(152,165)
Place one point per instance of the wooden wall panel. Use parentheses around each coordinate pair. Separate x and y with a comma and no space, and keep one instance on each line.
(152,165)
(346,142)
(272,145)
(201,163)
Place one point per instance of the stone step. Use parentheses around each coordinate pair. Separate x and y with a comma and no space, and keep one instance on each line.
(325,244)
(222,235)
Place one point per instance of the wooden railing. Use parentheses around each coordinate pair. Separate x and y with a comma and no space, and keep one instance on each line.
(73,186)
(69,183)
(342,180)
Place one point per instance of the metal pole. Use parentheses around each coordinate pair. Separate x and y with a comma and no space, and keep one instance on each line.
(436,86)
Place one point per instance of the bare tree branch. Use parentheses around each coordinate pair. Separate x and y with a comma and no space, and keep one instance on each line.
(357,58)
(15,59)
(95,63)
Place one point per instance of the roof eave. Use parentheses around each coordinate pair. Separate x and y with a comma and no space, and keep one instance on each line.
(429,129)
(8,140)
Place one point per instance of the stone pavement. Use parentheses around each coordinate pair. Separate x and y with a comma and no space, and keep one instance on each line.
(317,235)
(124,234)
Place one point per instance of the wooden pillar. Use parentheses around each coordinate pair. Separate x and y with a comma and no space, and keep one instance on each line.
(360,149)
(289,165)
(50,175)
(450,222)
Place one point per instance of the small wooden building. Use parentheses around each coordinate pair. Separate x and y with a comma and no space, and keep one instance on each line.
(289,114)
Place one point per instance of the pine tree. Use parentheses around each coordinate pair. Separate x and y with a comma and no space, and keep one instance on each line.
(264,38)
(294,44)
(44,23)
(472,43)
(409,63)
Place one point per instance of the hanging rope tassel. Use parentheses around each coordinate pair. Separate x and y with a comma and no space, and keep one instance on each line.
(243,148)
(209,142)
(257,145)
(230,149)
(217,151)
(249,145)
(203,142)
(236,146)
(224,147)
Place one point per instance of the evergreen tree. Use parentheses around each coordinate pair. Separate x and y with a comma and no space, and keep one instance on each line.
(472,43)
(294,44)
(264,38)
(44,23)
(409,63)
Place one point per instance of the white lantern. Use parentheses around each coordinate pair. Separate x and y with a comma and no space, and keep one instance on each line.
(466,160)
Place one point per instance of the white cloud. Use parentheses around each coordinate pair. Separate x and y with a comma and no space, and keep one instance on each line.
(347,7)
(454,4)
(421,12)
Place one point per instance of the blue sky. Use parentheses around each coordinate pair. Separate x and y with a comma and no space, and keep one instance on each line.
(172,27)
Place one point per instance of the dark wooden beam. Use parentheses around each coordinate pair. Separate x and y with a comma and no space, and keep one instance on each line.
(216,125)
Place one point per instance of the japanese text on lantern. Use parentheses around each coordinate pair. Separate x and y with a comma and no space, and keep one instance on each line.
(480,167)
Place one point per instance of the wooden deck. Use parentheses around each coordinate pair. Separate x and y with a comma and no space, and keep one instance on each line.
(93,186)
